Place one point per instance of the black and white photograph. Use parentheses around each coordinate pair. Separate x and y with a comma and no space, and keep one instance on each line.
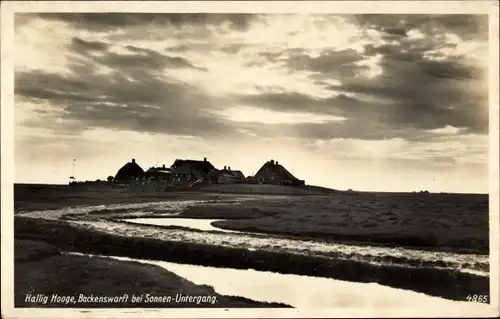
(271,157)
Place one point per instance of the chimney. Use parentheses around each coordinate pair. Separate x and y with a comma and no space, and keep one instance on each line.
(224,167)
(272,162)
(229,167)
(277,163)
(163,166)
(204,159)
(133,160)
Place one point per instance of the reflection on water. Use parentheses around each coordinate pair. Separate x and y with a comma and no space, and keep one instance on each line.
(302,291)
(200,224)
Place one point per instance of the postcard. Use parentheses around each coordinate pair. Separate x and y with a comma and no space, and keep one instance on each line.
(243,159)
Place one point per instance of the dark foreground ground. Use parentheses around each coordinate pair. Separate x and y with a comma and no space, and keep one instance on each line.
(42,270)
(432,221)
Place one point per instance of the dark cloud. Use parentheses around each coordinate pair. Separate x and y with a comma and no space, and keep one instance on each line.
(466,26)
(137,58)
(161,60)
(100,21)
(132,96)
(131,101)
(398,32)
(78,44)
(419,88)
(450,70)
(410,97)
(410,52)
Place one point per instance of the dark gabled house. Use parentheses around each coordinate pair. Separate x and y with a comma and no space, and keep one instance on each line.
(225,176)
(190,170)
(161,173)
(238,175)
(230,176)
(274,173)
(129,172)
(213,176)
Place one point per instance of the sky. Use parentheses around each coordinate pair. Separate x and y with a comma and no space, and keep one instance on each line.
(367,102)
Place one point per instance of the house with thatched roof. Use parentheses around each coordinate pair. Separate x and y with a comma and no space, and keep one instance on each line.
(184,171)
(213,176)
(161,174)
(227,176)
(129,172)
(274,173)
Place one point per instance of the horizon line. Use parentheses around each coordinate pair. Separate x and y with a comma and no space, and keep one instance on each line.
(329,188)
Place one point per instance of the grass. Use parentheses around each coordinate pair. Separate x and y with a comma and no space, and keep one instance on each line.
(215,211)
(431,221)
(452,222)
(29,197)
(256,189)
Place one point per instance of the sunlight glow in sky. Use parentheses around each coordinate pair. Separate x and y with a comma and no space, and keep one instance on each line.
(367,102)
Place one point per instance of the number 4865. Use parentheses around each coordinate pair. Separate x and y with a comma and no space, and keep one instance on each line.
(478,298)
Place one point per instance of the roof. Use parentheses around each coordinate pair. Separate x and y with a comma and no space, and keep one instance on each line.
(277,169)
(238,174)
(184,169)
(213,173)
(200,166)
(129,171)
(231,173)
(158,171)
(166,170)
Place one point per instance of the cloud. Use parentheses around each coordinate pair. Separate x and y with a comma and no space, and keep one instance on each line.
(78,44)
(333,63)
(413,91)
(140,103)
(110,21)
(385,76)
(466,26)
(128,56)
(132,93)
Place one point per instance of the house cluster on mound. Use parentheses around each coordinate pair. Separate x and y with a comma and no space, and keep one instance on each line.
(185,171)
